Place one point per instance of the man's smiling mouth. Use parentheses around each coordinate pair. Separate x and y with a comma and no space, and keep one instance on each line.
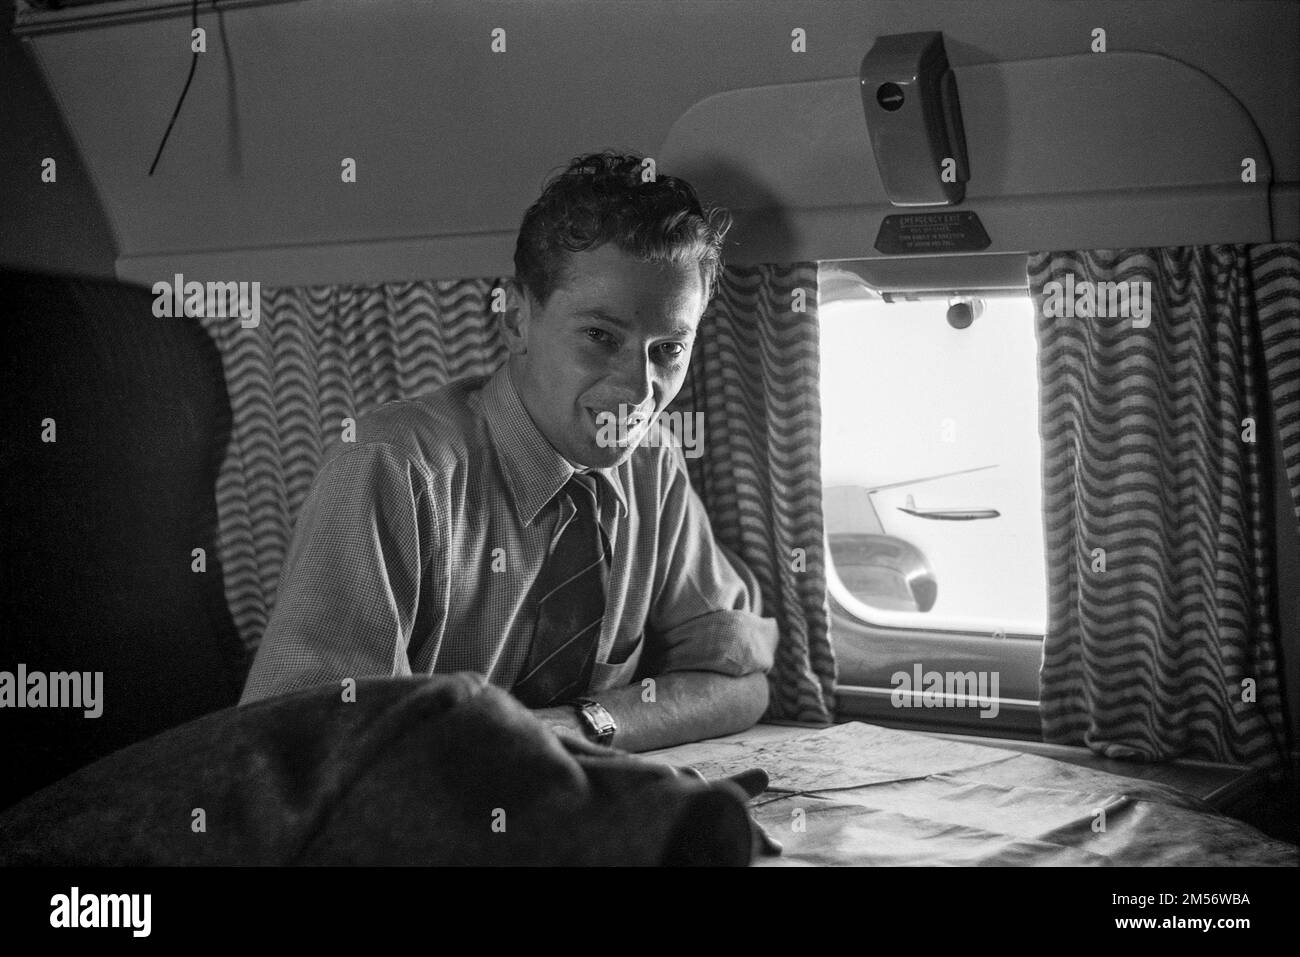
(622,428)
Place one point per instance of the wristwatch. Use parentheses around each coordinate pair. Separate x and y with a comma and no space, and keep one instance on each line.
(598,723)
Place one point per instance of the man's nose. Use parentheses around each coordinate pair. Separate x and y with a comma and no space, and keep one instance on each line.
(633,380)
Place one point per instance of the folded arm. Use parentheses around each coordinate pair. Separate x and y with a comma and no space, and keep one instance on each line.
(678,707)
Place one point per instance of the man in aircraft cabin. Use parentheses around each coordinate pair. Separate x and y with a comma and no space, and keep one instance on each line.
(537,526)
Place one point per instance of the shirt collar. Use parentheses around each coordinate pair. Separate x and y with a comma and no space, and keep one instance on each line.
(534,471)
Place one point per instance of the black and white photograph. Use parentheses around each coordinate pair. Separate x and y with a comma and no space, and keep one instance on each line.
(537,434)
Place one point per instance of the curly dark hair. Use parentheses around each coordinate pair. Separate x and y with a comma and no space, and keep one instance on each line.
(601,198)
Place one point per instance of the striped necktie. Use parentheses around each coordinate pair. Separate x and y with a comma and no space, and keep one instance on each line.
(570,605)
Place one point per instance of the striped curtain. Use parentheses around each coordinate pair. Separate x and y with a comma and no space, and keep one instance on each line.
(318,356)
(754,376)
(1161,635)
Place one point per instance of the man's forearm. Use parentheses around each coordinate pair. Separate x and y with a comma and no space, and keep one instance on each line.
(680,706)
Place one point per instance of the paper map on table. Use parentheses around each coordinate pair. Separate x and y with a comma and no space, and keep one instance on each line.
(842,756)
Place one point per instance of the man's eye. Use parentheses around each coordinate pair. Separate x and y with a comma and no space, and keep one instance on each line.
(673,350)
(598,335)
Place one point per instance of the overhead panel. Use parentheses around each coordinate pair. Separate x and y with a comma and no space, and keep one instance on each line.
(1078,152)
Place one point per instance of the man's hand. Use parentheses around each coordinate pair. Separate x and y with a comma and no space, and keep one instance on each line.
(678,707)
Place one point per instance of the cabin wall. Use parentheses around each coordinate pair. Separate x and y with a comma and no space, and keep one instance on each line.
(46,227)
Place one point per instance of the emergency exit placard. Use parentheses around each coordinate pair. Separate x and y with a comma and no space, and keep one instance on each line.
(954,231)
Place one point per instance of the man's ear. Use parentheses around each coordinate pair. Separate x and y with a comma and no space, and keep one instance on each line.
(516,319)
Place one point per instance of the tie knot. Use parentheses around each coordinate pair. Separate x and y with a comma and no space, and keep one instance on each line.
(582,490)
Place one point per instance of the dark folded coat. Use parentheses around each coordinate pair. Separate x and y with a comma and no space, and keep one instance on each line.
(431,770)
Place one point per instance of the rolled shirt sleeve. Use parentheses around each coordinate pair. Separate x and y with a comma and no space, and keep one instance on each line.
(707,610)
(350,586)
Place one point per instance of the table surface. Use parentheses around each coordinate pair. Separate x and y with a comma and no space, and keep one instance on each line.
(1216,784)
(858,793)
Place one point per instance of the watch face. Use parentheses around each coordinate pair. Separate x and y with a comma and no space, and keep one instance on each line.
(600,721)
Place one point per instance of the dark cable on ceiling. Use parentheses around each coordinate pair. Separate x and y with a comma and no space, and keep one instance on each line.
(194,62)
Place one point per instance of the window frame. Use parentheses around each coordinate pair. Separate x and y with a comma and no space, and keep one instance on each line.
(879,651)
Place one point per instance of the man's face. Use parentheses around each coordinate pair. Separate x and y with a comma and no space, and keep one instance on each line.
(616,338)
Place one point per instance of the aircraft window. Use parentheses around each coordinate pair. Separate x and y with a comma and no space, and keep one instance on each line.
(931,464)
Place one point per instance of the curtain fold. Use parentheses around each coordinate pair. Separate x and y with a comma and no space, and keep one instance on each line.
(1162,638)
(754,377)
